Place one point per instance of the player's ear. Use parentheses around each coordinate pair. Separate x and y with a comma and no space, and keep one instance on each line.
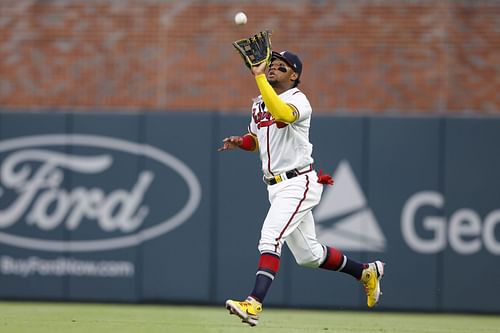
(295,79)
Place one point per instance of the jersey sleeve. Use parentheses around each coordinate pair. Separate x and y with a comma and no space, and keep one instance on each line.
(252,126)
(280,110)
(299,102)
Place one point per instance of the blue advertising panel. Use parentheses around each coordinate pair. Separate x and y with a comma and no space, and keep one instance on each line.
(31,181)
(403,168)
(140,207)
(176,261)
(107,204)
(471,223)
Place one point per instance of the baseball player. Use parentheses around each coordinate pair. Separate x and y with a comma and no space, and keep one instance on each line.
(279,131)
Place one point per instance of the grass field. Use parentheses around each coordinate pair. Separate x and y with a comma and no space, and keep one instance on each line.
(20,317)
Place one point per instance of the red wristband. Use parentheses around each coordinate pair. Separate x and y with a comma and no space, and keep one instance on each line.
(247,142)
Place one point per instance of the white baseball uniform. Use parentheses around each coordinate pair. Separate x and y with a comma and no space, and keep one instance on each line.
(284,147)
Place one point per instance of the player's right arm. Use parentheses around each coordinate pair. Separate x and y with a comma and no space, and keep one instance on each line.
(246,142)
(280,110)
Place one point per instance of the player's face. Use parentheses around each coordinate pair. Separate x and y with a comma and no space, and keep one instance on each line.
(279,72)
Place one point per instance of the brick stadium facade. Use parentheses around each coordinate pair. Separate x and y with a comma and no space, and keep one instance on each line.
(386,56)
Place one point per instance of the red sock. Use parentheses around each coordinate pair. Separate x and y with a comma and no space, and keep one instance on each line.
(269,264)
(337,261)
(334,259)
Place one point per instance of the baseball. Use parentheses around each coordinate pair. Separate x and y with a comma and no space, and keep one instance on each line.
(240,18)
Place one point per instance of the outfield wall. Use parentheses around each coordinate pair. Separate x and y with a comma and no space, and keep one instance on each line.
(140,207)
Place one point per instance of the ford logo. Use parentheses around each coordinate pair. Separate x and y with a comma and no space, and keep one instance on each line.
(31,178)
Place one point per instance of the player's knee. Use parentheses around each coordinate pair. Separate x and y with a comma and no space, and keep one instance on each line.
(269,247)
(311,261)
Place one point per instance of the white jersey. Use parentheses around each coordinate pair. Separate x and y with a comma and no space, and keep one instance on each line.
(282,146)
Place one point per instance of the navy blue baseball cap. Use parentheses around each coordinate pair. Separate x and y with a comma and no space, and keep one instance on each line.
(290,58)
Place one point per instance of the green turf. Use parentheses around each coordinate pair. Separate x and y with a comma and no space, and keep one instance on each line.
(20,317)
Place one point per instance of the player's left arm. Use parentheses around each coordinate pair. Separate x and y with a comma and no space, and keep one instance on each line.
(247,142)
(280,110)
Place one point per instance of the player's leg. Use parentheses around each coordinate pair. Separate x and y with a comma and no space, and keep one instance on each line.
(267,268)
(302,242)
(281,220)
(290,201)
(309,252)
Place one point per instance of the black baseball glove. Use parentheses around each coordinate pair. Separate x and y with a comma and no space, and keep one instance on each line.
(255,50)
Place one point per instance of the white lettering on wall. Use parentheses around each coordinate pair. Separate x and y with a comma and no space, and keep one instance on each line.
(464,231)
(42,187)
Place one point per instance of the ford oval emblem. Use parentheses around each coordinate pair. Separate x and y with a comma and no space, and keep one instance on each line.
(35,173)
